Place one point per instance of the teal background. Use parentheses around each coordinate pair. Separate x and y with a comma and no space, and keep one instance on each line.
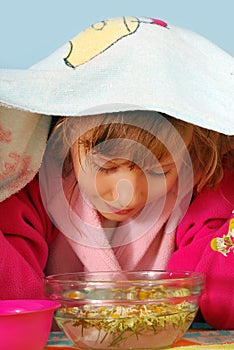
(30,30)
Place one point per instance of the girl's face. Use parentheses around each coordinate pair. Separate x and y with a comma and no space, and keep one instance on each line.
(117,188)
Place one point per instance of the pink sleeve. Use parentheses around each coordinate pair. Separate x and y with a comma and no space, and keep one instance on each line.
(25,232)
(208,217)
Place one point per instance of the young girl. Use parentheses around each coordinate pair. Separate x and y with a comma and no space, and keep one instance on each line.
(132,178)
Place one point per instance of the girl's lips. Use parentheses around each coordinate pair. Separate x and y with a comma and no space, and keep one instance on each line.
(119,211)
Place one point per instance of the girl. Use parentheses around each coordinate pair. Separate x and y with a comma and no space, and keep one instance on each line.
(138,182)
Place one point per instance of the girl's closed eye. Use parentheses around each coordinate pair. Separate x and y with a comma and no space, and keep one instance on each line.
(107,170)
(159,172)
(111,167)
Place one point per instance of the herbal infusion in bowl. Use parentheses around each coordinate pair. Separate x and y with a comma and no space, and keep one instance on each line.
(127,309)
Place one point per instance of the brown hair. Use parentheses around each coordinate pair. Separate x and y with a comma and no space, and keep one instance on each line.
(207,148)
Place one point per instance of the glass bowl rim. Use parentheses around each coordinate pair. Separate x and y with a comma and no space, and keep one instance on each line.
(83,277)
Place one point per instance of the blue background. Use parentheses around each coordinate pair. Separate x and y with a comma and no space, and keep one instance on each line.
(31,30)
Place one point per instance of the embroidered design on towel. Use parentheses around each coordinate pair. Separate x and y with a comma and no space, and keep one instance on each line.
(101,36)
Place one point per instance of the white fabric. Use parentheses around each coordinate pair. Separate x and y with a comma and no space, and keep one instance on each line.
(23,138)
(138,64)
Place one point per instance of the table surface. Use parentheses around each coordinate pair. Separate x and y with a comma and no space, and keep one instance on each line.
(197,338)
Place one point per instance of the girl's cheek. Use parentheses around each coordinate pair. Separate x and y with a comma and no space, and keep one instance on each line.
(103,185)
(156,191)
(86,181)
(159,187)
(94,185)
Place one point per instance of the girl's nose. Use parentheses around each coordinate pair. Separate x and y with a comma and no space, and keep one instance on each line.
(129,190)
(124,192)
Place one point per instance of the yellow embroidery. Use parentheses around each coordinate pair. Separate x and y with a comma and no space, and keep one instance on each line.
(224,244)
(97,38)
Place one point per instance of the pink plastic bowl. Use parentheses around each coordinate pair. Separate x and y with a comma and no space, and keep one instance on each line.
(25,324)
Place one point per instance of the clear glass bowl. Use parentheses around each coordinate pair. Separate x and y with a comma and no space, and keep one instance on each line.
(127,309)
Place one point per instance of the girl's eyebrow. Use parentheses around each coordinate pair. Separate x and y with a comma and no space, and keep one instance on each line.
(100,160)
(121,162)
(117,160)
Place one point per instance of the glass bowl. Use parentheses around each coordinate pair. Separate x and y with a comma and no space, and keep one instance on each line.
(25,324)
(127,309)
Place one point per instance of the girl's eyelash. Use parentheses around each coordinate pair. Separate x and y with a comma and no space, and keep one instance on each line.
(104,170)
(154,173)
(107,170)
(111,169)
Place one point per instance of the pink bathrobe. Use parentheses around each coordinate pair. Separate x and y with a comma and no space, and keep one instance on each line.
(27,233)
